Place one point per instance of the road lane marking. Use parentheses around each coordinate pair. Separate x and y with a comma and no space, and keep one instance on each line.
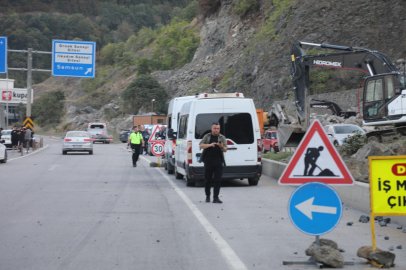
(233,261)
(26,155)
(53,167)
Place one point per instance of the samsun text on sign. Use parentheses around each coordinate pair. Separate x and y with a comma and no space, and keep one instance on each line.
(388,185)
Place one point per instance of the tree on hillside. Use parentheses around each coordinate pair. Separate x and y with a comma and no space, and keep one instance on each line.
(140,92)
(48,110)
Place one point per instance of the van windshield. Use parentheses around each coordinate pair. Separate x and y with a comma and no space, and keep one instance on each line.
(235,126)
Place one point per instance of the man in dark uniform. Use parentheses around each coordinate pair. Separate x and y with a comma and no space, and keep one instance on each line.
(214,146)
(14,138)
(22,139)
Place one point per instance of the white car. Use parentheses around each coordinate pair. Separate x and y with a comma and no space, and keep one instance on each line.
(77,141)
(6,136)
(3,152)
(337,133)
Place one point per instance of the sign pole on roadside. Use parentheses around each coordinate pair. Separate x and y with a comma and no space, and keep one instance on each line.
(157,149)
(29,81)
(315,208)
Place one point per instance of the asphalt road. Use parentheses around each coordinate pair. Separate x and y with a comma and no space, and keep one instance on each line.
(81,211)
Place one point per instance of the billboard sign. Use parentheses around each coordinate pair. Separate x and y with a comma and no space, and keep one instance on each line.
(3,55)
(73,58)
(15,96)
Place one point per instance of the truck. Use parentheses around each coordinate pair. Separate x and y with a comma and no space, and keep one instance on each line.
(383,96)
(98,132)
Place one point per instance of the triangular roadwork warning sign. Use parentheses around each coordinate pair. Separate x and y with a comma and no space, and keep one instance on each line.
(152,137)
(316,160)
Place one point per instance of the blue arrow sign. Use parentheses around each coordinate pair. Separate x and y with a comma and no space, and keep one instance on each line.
(3,55)
(315,208)
(73,58)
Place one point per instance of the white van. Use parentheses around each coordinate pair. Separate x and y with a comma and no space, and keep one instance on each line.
(175,105)
(238,123)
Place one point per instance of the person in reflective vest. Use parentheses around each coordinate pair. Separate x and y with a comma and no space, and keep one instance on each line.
(135,140)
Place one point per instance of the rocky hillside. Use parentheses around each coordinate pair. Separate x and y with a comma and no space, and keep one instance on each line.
(250,52)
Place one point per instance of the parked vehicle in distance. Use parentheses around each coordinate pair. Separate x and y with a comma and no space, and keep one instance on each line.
(238,123)
(338,132)
(124,135)
(6,136)
(3,152)
(269,142)
(98,133)
(175,105)
(77,141)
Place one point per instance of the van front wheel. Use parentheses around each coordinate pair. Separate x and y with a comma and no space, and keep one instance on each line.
(253,181)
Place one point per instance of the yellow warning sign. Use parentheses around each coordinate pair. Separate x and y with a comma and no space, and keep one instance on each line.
(28,123)
(388,185)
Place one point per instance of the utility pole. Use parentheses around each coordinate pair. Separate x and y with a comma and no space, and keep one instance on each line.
(29,81)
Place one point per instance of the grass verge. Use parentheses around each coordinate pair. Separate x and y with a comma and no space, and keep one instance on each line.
(277,156)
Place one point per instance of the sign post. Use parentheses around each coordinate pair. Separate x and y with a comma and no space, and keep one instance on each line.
(316,160)
(73,58)
(157,149)
(315,208)
(387,188)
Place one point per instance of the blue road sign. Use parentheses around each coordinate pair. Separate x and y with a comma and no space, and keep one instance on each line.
(3,55)
(315,208)
(73,58)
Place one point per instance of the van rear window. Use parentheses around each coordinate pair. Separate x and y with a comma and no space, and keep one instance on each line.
(235,126)
(96,126)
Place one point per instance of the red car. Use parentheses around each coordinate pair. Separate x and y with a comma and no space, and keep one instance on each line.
(269,142)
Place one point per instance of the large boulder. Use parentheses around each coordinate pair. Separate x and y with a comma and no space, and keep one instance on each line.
(88,109)
(359,169)
(384,258)
(363,252)
(326,255)
(373,149)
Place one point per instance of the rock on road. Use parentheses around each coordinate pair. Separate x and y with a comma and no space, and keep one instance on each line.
(81,211)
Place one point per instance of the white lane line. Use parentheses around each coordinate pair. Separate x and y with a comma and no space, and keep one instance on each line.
(26,155)
(53,167)
(233,261)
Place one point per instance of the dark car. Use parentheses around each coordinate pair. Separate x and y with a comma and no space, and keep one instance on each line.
(124,135)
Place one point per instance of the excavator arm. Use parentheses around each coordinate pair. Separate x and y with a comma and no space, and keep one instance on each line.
(381,76)
(350,58)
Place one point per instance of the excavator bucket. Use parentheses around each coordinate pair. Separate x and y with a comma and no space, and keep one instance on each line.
(289,137)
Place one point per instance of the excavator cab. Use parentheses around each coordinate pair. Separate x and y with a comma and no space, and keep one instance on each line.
(382,99)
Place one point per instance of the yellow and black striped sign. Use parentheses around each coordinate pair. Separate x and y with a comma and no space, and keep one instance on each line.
(28,123)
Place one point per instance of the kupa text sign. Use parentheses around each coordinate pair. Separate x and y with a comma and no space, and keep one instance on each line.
(73,58)
(388,185)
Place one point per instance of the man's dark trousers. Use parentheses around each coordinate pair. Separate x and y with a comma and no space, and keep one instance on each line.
(136,152)
(211,168)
